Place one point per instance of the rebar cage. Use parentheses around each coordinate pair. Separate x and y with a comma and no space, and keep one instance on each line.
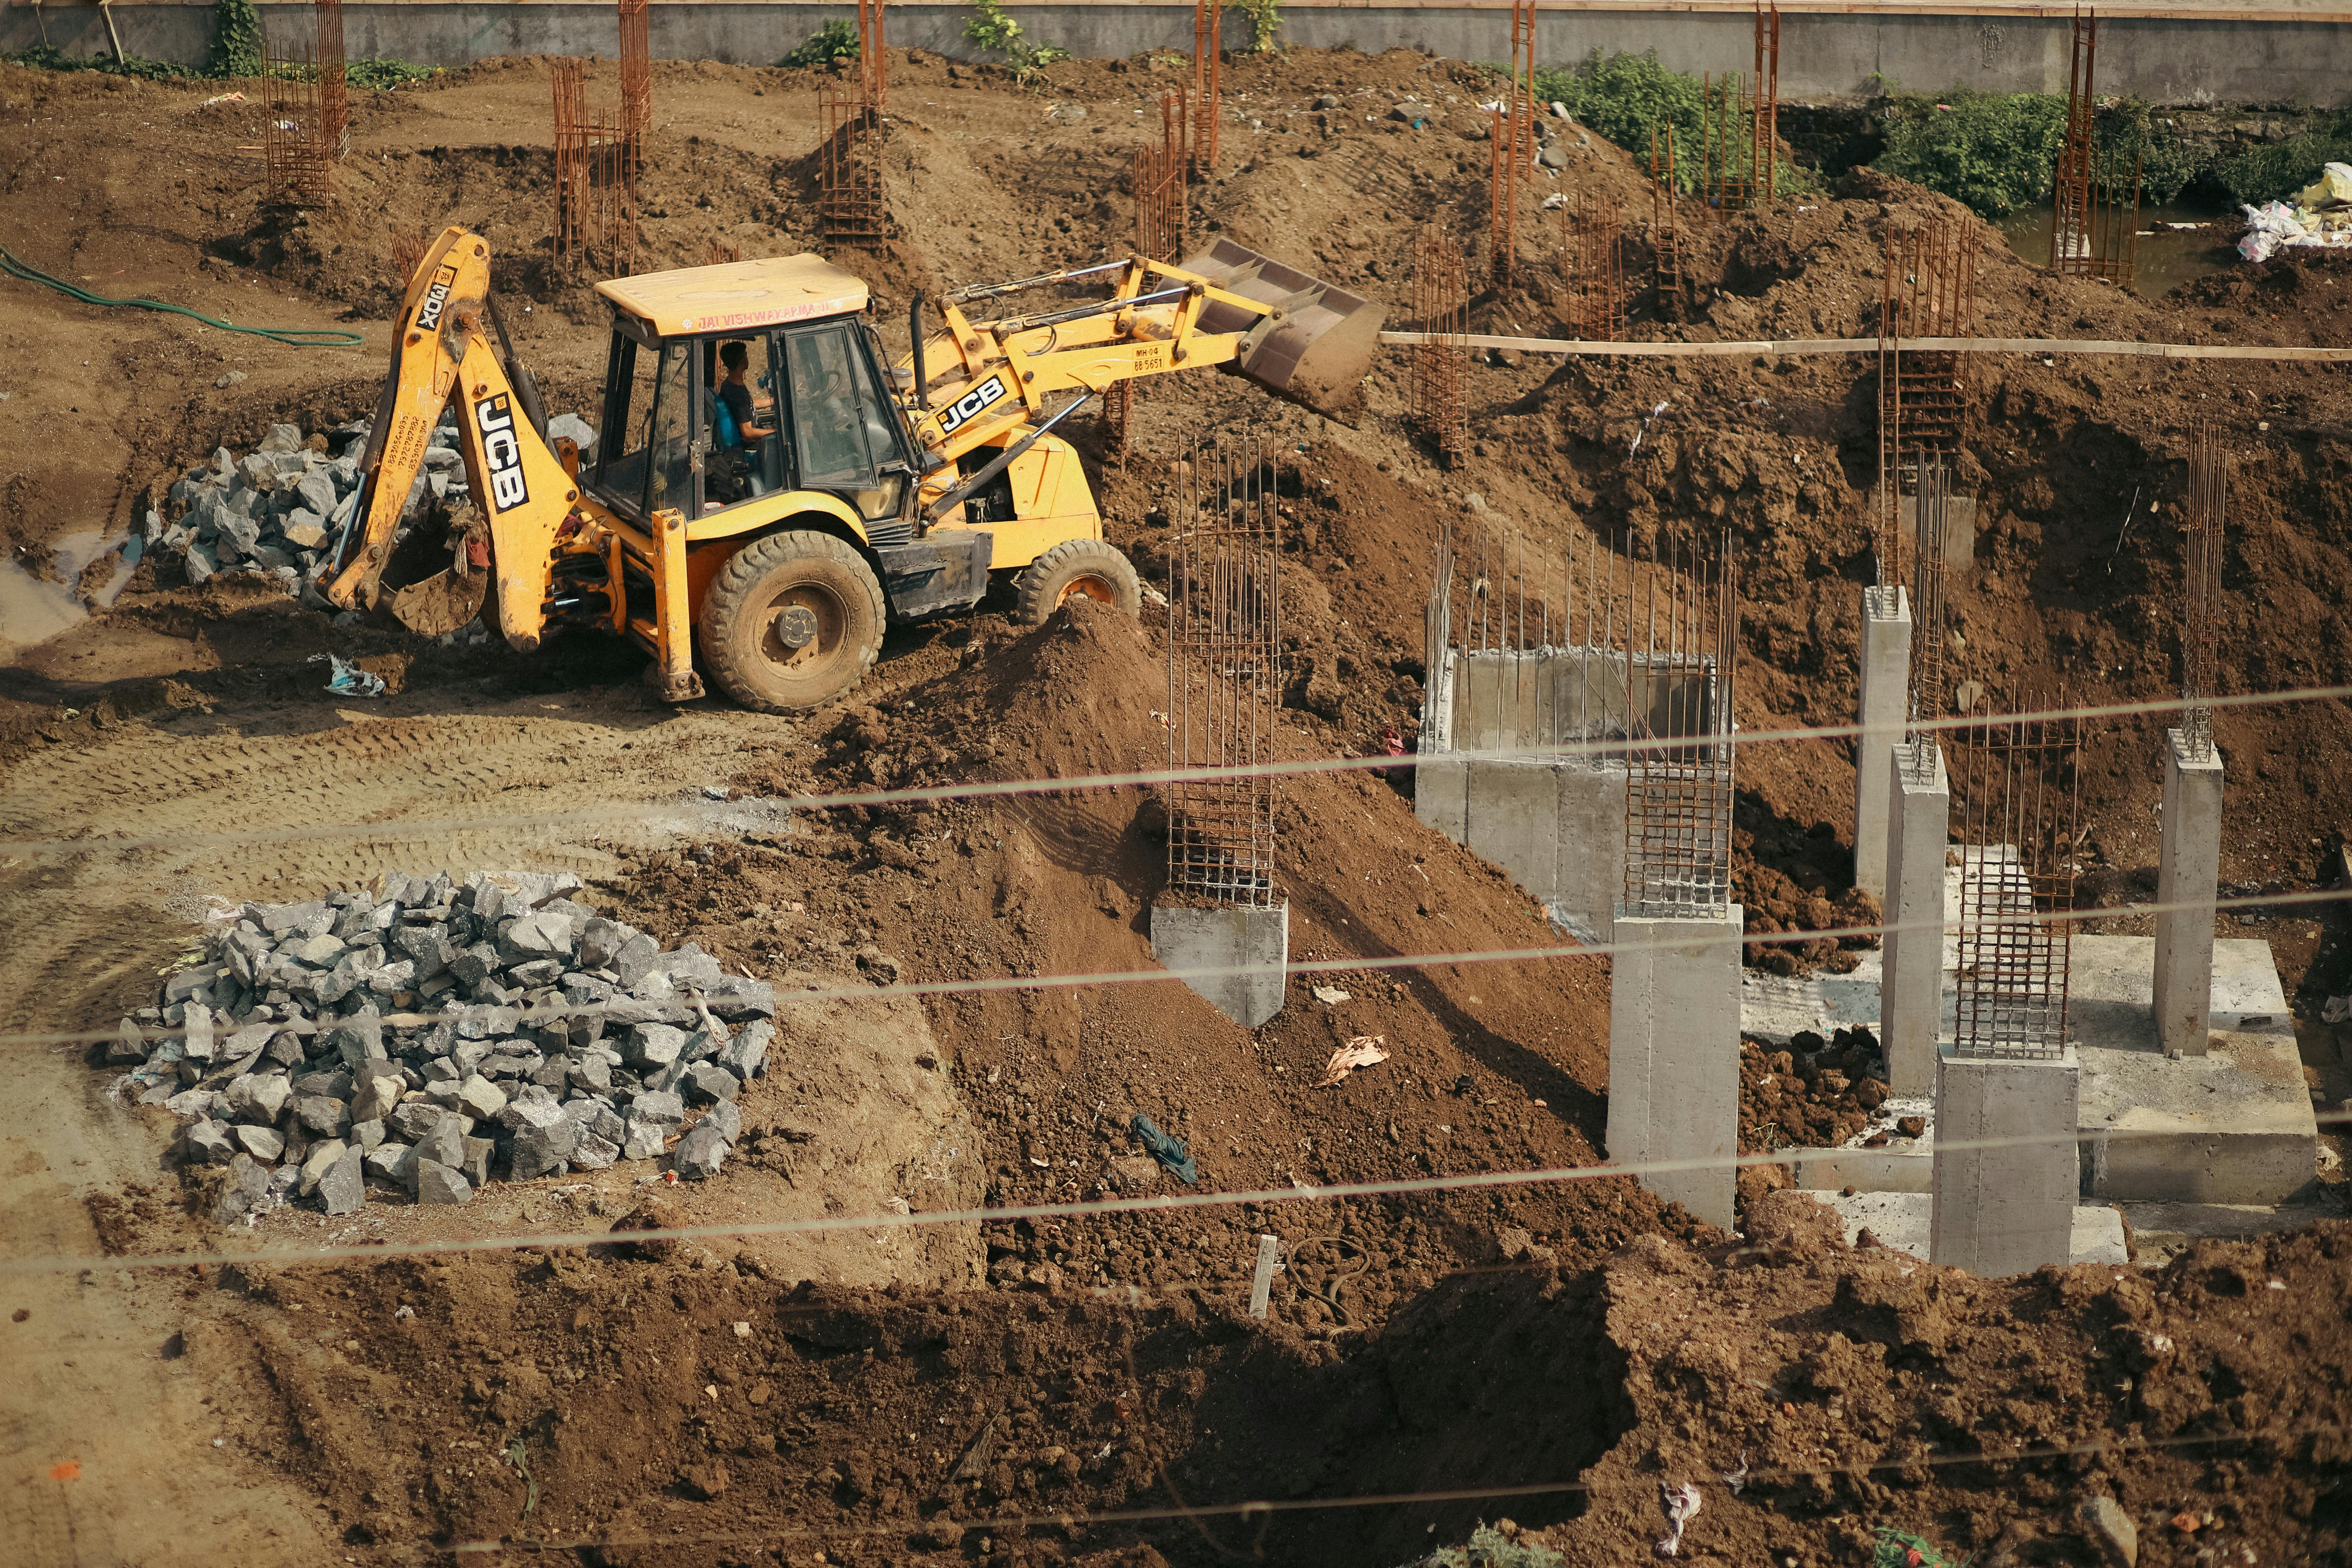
(1665,233)
(1928,290)
(595,182)
(1680,661)
(1593,256)
(334,95)
(1224,678)
(295,150)
(2200,593)
(1511,143)
(1199,135)
(2094,202)
(1440,382)
(2018,783)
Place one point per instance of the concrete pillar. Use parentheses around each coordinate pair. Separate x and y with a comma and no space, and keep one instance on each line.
(1911,998)
(1250,947)
(1673,1054)
(2188,867)
(2008,1209)
(1886,689)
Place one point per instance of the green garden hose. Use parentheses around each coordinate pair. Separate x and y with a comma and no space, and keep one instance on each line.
(292,337)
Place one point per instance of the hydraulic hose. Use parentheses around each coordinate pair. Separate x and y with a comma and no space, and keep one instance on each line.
(292,337)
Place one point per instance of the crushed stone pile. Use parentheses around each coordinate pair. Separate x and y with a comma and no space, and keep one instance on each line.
(281,509)
(403,1039)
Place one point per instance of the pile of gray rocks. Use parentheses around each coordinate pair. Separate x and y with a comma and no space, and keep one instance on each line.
(275,512)
(280,510)
(431,1035)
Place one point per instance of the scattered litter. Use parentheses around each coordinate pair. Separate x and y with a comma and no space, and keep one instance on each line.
(521,1461)
(2336,1010)
(1738,1479)
(223,98)
(1363,1051)
(1644,430)
(1331,995)
(1169,1151)
(1681,1503)
(742,1330)
(349,679)
(2276,1285)
(401,1314)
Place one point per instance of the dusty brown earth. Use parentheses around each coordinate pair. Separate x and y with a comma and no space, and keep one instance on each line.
(955,1389)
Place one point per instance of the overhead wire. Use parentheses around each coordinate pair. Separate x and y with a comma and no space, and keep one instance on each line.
(816,992)
(654,812)
(890,1219)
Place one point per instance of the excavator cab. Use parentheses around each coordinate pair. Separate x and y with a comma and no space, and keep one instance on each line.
(821,415)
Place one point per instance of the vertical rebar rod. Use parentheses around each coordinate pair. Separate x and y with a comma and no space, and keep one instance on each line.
(2201,591)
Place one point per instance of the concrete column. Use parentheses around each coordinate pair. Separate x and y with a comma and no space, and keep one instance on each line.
(2189,867)
(1244,953)
(2008,1209)
(1911,998)
(1886,687)
(1673,1054)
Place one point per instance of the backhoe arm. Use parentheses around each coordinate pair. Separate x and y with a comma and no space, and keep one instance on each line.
(516,481)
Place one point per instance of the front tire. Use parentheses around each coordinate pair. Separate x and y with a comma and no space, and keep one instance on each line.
(792,622)
(1085,568)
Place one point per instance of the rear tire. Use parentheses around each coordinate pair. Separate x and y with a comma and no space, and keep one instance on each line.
(1078,567)
(792,622)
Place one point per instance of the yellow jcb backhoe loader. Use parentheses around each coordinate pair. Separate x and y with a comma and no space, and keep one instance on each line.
(858,493)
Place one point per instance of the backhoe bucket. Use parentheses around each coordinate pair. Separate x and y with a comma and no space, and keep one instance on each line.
(1317,348)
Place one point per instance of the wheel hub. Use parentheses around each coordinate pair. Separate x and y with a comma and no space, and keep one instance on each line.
(796,626)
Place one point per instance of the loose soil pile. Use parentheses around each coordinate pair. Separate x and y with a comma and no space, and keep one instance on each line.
(1521,1336)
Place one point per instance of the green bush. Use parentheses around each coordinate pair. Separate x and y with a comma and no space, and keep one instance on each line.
(2275,171)
(236,53)
(838,39)
(1627,96)
(1995,152)
(44,57)
(378,75)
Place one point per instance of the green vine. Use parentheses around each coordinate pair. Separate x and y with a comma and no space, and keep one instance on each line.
(237,44)
(1266,25)
(992,30)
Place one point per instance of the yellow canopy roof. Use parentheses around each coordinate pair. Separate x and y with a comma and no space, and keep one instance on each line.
(742,294)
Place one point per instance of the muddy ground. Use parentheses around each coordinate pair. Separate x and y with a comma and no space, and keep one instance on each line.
(958,1390)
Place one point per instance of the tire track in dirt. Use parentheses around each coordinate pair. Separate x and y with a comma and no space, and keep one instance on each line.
(86,935)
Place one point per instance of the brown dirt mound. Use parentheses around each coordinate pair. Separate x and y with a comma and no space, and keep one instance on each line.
(670,1412)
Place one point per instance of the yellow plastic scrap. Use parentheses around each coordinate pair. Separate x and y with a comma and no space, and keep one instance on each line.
(2333,188)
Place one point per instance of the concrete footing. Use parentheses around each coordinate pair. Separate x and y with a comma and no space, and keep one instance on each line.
(1910,1001)
(1557,827)
(2188,867)
(1901,1220)
(1673,1054)
(2008,1209)
(1885,686)
(1251,947)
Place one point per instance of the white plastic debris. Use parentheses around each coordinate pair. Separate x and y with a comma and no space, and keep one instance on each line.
(2336,1010)
(349,679)
(1681,1503)
(1329,995)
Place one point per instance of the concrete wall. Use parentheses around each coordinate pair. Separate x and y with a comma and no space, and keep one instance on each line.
(2282,53)
(1237,958)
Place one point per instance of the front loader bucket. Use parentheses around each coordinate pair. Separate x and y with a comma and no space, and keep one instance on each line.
(1317,348)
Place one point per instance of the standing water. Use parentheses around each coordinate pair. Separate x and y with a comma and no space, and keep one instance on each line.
(2179,243)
